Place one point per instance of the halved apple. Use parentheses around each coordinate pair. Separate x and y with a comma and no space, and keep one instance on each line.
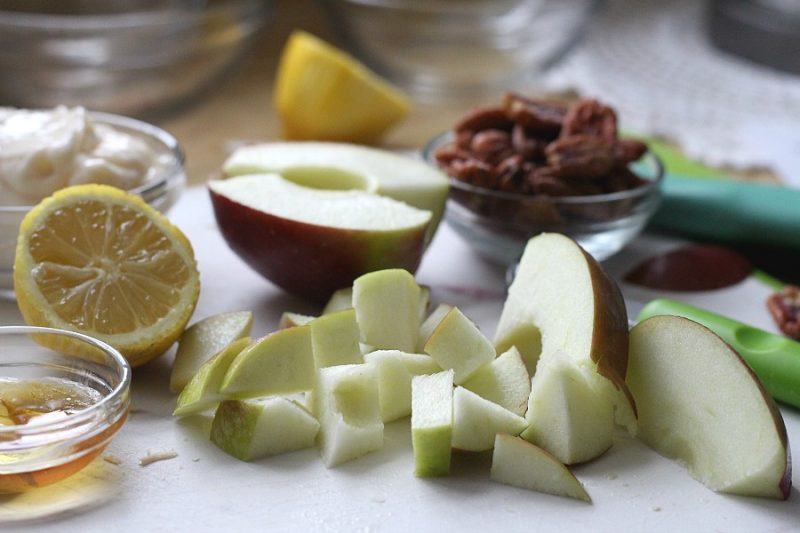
(395,371)
(476,421)
(505,381)
(521,464)
(325,165)
(312,242)
(432,423)
(563,298)
(701,404)
(251,429)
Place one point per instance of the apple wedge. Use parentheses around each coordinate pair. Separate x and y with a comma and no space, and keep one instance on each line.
(432,423)
(395,371)
(311,242)
(260,427)
(457,343)
(429,324)
(387,309)
(346,166)
(202,340)
(521,464)
(504,381)
(700,404)
(476,421)
(346,404)
(280,363)
(203,390)
(563,298)
(335,339)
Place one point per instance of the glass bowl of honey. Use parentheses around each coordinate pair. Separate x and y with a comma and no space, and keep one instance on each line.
(59,406)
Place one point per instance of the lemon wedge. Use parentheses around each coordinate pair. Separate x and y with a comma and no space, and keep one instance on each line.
(100,261)
(322,93)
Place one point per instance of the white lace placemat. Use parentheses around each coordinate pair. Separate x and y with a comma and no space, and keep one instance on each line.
(653,61)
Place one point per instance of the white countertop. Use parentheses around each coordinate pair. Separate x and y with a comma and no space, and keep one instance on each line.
(202,488)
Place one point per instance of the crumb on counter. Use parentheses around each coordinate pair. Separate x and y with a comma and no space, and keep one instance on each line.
(151,458)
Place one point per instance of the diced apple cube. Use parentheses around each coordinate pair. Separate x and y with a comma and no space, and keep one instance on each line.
(457,343)
(335,339)
(504,381)
(395,370)
(432,423)
(476,421)
(387,309)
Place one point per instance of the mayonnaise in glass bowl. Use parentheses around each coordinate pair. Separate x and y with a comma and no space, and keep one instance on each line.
(39,156)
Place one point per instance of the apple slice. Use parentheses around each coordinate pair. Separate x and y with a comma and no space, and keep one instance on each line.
(311,242)
(432,423)
(563,298)
(346,166)
(395,370)
(566,415)
(335,337)
(251,429)
(429,324)
(457,343)
(203,390)
(504,381)
(387,309)
(476,421)
(346,403)
(521,464)
(280,363)
(202,340)
(290,320)
(340,300)
(701,404)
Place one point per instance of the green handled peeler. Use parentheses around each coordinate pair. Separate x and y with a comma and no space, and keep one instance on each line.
(775,359)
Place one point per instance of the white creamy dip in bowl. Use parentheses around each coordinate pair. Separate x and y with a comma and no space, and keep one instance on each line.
(42,151)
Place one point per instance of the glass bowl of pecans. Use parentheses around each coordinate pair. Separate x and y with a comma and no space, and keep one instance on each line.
(528,166)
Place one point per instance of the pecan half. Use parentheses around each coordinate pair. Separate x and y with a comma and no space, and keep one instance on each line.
(535,115)
(483,118)
(580,157)
(784,306)
(590,117)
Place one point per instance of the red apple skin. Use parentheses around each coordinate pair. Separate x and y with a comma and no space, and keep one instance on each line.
(309,260)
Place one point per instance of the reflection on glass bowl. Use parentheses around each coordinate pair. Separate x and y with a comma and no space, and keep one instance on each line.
(498,224)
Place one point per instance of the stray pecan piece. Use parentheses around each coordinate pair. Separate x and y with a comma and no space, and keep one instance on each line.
(784,306)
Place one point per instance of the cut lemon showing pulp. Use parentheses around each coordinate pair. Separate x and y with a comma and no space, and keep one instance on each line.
(97,260)
(322,93)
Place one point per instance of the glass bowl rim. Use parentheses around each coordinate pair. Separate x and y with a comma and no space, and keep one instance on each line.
(108,401)
(145,190)
(652,186)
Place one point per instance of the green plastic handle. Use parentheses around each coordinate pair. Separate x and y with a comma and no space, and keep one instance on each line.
(730,211)
(775,359)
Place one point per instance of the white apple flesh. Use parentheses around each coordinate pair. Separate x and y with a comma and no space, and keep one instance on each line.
(476,421)
(701,404)
(504,381)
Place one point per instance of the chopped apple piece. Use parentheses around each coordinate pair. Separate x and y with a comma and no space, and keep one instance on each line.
(395,370)
(701,404)
(280,363)
(566,415)
(504,381)
(251,429)
(457,343)
(335,337)
(290,320)
(347,406)
(527,339)
(521,464)
(432,423)
(578,310)
(340,300)
(202,340)
(387,309)
(476,421)
(202,391)
(430,323)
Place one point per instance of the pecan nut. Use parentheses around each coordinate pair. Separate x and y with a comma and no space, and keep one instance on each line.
(784,306)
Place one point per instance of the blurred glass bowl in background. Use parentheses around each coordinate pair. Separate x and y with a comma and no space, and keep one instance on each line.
(449,49)
(499,224)
(127,57)
(161,191)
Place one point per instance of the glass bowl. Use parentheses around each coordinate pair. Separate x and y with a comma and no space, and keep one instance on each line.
(498,224)
(128,57)
(431,47)
(49,447)
(161,192)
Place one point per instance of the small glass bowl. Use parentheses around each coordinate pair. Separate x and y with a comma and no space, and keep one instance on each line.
(161,192)
(499,224)
(45,451)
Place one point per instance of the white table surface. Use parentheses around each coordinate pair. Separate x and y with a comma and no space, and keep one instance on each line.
(203,489)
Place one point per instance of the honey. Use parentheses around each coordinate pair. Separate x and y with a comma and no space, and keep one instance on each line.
(22,401)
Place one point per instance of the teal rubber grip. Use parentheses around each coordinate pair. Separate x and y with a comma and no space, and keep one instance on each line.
(775,359)
(730,211)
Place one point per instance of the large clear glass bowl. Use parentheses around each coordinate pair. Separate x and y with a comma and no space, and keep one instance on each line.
(499,224)
(44,451)
(161,192)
